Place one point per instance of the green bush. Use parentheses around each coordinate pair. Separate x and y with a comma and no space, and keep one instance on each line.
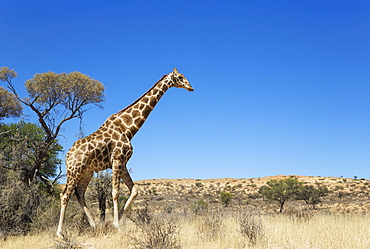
(225,198)
(311,195)
(199,206)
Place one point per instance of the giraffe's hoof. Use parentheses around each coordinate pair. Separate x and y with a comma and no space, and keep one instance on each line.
(59,235)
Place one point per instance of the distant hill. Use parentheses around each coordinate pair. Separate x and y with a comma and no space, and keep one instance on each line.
(345,194)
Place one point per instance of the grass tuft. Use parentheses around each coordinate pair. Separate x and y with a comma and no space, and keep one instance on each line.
(251,227)
(157,231)
(67,242)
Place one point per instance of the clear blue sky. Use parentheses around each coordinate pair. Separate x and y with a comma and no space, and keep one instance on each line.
(281,87)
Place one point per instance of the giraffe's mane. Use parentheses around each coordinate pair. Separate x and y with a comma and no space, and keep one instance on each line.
(123,110)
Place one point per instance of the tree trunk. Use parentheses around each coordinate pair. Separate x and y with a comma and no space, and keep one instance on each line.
(281,206)
(102,206)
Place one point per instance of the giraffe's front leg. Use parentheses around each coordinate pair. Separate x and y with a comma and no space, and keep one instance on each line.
(64,198)
(115,193)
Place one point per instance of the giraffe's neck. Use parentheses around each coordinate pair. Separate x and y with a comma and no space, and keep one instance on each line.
(133,117)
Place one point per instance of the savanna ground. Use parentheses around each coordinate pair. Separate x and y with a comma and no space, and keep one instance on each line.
(187,213)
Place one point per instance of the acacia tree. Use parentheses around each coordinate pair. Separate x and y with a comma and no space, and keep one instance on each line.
(9,105)
(311,195)
(281,190)
(55,99)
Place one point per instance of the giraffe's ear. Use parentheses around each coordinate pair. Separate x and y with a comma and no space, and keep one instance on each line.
(175,70)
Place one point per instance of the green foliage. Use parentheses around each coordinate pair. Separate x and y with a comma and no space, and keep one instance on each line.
(311,195)
(70,90)
(20,144)
(22,200)
(7,74)
(9,105)
(56,98)
(237,186)
(280,190)
(199,206)
(225,198)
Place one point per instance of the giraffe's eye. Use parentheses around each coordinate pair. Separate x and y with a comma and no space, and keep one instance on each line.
(181,78)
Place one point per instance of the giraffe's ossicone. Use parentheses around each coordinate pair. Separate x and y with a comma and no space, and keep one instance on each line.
(110,148)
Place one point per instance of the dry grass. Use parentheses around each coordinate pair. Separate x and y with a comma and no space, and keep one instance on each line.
(251,227)
(321,231)
(190,231)
(157,231)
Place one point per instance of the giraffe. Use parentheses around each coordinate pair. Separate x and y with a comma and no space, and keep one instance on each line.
(110,147)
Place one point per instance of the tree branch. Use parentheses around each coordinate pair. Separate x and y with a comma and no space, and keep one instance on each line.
(6,132)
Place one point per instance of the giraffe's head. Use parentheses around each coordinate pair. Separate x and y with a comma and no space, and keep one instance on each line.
(180,81)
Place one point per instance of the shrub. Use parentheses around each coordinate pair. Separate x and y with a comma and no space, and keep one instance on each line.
(210,226)
(225,198)
(237,186)
(338,188)
(168,209)
(198,184)
(252,185)
(250,225)
(157,231)
(21,205)
(199,206)
(298,214)
(341,194)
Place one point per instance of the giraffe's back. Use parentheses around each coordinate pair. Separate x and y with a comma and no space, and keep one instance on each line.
(94,152)
(91,153)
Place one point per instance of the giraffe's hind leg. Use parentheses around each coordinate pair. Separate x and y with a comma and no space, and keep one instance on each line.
(80,194)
